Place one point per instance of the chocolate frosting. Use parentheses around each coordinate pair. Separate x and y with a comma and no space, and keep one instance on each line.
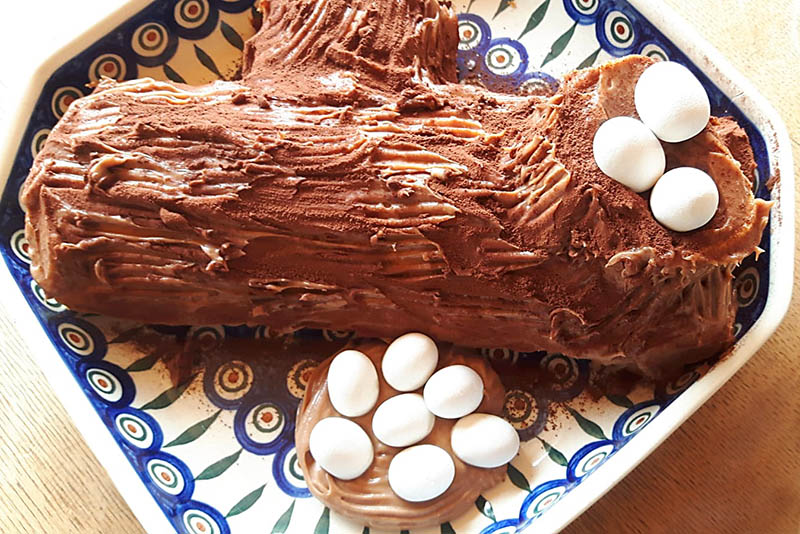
(349,182)
(369,499)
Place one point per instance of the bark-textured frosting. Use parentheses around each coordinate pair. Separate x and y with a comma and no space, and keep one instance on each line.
(348,182)
(369,499)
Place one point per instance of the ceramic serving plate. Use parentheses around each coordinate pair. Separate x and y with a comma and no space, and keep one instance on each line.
(215,454)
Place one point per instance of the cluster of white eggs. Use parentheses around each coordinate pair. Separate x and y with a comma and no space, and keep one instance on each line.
(673,107)
(419,472)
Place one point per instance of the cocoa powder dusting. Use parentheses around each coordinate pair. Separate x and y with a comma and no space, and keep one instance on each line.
(348,182)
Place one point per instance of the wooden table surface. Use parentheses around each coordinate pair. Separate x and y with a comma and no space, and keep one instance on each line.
(733,467)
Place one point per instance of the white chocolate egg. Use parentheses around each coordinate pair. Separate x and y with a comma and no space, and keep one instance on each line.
(672,102)
(341,447)
(684,199)
(352,383)
(421,473)
(402,420)
(453,391)
(484,440)
(627,151)
(409,361)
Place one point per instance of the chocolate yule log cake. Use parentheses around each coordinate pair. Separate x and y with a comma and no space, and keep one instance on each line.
(347,181)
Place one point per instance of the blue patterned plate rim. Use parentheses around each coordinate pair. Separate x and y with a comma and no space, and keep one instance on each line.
(709,61)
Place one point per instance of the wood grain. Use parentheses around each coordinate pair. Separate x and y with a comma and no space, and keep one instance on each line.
(733,467)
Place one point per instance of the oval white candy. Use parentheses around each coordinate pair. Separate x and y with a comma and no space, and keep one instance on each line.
(341,447)
(352,383)
(409,361)
(453,391)
(672,102)
(421,473)
(684,199)
(484,440)
(402,420)
(627,151)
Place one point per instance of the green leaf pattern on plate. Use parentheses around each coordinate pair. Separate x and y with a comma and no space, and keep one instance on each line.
(590,427)
(485,507)
(502,7)
(589,61)
(246,502)
(620,400)
(206,60)
(144,363)
(554,454)
(517,478)
(324,523)
(194,431)
(170,73)
(220,466)
(231,35)
(560,44)
(536,18)
(169,396)
(283,521)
